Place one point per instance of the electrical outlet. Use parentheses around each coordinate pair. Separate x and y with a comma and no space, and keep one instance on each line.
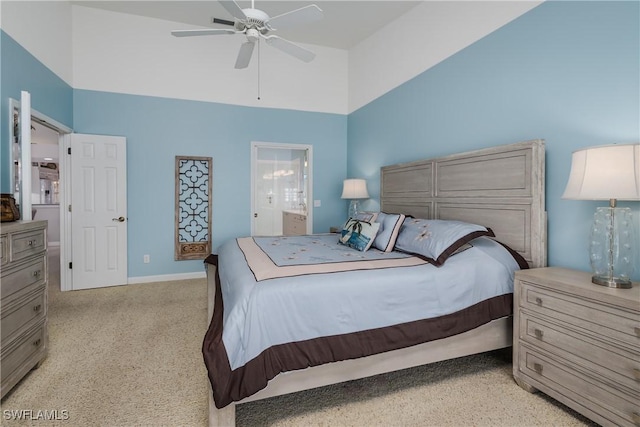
(147,259)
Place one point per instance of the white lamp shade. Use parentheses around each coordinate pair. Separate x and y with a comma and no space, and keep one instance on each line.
(604,173)
(354,189)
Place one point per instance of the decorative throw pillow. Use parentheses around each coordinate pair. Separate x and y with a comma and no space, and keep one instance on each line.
(359,234)
(436,240)
(389,227)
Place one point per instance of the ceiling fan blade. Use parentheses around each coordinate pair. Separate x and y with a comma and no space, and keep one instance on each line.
(292,49)
(300,16)
(232,7)
(223,22)
(204,32)
(244,56)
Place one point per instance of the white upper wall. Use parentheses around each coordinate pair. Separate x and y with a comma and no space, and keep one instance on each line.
(124,53)
(418,40)
(43,28)
(107,51)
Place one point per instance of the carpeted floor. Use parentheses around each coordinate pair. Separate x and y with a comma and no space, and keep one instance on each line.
(130,356)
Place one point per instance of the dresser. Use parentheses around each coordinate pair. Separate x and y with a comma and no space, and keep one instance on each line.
(294,223)
(23,303)
(578,343)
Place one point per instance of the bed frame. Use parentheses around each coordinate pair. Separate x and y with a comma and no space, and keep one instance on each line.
(500,187)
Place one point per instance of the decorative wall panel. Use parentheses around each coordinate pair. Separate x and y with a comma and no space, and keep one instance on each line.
(193,207)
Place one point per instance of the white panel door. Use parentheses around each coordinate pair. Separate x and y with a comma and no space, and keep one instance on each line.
(98,211)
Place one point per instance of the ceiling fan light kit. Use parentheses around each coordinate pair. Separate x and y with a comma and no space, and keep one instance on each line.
(256,24)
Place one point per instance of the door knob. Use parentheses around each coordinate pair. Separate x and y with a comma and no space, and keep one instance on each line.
(120,219)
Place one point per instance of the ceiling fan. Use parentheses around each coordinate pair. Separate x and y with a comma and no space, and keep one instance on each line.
(255,25)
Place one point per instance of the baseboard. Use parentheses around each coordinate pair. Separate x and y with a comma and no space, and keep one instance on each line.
(166,277)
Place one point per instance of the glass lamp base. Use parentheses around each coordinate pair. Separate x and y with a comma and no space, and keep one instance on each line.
(354,208)
(611,282)
(611,247)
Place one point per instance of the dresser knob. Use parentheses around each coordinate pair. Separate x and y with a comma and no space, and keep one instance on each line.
(37,308)
(537,367)
(539,301)
(36,342)
(30,243)
(538,333)
(36,273)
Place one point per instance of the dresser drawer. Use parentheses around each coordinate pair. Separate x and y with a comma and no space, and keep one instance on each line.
(27,243)
(24,275)
(614,365)
(23,312)
(611,404)
(14,356)
(595,318)
(4,249)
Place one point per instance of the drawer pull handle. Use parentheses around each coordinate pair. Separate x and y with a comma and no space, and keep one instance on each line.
(37,308)
(538,333)
(36,342)
(36,273)
(539,301)
(636,418)
(636,374)
(30,243)
(537,367)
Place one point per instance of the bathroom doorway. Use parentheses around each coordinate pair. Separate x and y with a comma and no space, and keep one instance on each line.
(281,183)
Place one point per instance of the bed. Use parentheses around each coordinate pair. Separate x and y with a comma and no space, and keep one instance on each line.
(500,188)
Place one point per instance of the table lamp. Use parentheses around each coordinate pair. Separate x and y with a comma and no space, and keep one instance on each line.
(354,189)
(609,172)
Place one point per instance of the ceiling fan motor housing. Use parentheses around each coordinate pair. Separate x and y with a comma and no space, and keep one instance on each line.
(257,19)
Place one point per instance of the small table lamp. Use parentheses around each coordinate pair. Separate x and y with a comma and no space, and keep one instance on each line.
(354,189)
(610,172)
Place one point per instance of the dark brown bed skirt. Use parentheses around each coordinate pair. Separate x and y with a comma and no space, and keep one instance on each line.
(231,386)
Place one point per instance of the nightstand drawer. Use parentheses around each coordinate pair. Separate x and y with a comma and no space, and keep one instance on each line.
(27,243)
(611,404)
(597,318)
(614,365)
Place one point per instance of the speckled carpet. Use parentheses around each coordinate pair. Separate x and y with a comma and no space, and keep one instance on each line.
(130,356)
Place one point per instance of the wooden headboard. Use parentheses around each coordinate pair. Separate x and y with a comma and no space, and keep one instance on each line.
(499,187)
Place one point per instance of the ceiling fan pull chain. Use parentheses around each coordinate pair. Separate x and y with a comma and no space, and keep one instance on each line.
(258,69)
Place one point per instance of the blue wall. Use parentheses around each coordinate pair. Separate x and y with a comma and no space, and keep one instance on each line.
(50,95)
(566,72)
(158,129)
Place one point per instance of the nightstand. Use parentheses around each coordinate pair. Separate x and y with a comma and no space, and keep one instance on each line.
(578,343)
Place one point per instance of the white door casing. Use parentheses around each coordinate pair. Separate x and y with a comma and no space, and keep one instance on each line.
(25,156)
(98,211)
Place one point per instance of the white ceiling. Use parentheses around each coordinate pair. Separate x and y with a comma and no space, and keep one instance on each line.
(344,25)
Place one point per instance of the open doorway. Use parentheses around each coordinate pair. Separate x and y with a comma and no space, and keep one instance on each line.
(46,179)
(281,183)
